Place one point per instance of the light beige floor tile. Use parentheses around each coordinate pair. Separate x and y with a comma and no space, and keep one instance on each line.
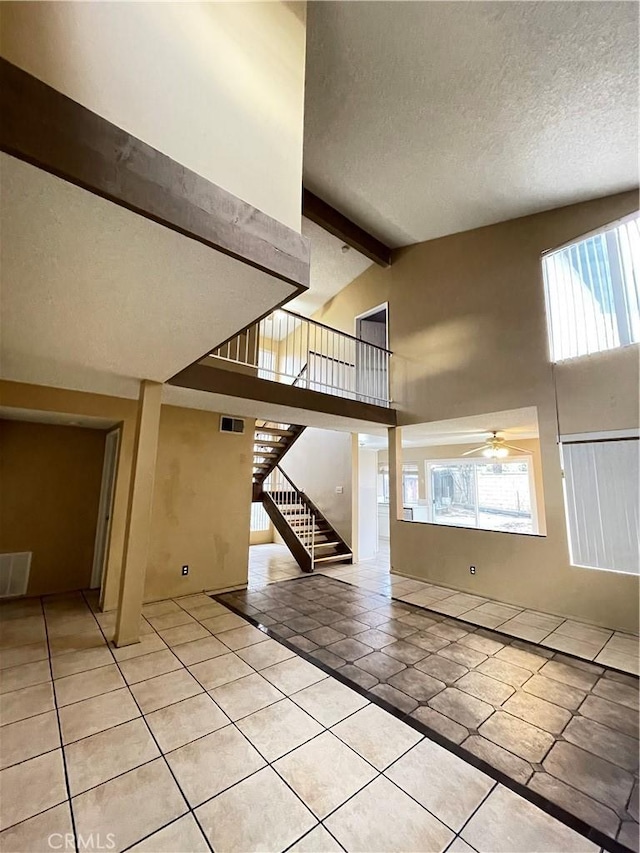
(184,634)
(459,846)
(240,638)
(507,823)
(183,834)
(279,728)
(22,632)
(293,674)
(611,657)
(579,648)
(15,609)
(159,608)
(66,626)
(165,690)
(148,666)
(39,833)
(207,766)
(17,677)
(31,787)
(224,622)
(84,685)
(265,654)
(383,818)
(193,602)
(199,650)
(76,642)
(208,611)
(28,738)
(245,695)
(260,813)
(220,670)
(324,773)
(317,841)
(131,806)
(185,721)
(97,714)
(148,643)
(582,631)
(87,659)
(329,701)
(443,783)
(20,704)
(171,620)
(102,756)
(362,731)
(18,655)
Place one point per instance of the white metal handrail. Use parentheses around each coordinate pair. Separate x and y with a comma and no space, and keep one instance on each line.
(289,500)
(290,349)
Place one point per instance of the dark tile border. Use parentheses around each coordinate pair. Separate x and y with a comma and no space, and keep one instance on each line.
(590,832)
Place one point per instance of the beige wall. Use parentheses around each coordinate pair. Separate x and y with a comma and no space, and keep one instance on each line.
(201,506)
(202,491)
(468,331)
(319,461)
(218,87)
(51,478)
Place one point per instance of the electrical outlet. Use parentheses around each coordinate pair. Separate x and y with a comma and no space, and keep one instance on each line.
(185,570)
(472,570)
(339,490)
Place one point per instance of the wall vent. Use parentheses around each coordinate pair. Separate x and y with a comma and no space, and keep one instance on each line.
(14,574)
(228,424)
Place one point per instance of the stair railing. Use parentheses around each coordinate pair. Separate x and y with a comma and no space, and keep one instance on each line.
(294,350)
(287,497)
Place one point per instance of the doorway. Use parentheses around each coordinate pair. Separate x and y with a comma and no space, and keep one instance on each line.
(372,330)
(105,507)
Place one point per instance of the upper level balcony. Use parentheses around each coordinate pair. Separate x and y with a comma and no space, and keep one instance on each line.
(286,349)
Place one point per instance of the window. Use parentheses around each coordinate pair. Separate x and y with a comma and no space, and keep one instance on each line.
(601,493)
(486,495)
(259,518)
(383,484)
(592,289)
(409,484)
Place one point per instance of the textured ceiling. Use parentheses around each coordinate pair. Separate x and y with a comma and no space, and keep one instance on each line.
(427,118)
(332,268)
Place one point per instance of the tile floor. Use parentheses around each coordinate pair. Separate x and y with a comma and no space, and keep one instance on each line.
(564,727)
(209,735)
(270,563)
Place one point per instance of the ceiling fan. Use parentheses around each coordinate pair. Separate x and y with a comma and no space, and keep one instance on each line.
(495,447)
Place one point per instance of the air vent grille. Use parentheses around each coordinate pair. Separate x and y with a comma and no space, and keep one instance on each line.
(14,574)
(228,424)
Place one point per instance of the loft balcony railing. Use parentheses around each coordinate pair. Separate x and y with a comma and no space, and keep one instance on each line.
(288,348)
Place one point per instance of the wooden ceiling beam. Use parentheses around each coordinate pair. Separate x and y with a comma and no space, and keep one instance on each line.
(344,229)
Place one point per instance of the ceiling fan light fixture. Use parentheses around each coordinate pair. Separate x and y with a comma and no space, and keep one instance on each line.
(501,452)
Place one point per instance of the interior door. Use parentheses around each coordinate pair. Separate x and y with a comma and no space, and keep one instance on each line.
(105,507)
(371,366)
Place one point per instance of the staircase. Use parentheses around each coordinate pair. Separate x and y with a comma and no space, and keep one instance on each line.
(309,536)
(271,442)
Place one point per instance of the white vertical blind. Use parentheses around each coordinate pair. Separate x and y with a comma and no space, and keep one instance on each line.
(603,507)
(592,290)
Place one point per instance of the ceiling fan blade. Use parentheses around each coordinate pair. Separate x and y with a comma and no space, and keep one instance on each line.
(475,450)
(519,449)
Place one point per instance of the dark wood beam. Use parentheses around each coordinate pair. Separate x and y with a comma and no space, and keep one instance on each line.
(53,132)
(218,380)
(344,229)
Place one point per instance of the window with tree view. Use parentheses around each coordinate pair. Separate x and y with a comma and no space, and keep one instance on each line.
(481,494)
